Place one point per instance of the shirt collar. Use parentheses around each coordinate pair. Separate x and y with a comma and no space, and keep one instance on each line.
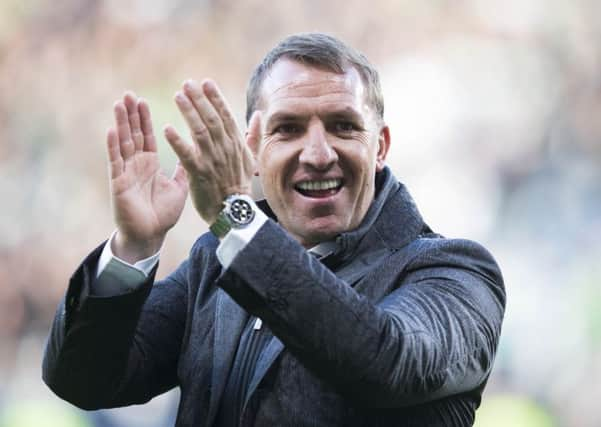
(323,249)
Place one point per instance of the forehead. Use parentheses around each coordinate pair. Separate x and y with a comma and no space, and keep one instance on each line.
(294,86)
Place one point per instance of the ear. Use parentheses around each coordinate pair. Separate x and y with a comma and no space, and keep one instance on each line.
(383,146)
(254,136)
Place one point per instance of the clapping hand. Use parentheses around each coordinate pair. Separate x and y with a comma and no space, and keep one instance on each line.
(146,202)
(219,161)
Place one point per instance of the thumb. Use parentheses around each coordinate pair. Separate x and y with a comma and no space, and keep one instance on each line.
(182,150)
(180,176)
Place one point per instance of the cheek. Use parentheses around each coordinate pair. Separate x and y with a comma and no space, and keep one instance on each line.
(360,161)
(276,164)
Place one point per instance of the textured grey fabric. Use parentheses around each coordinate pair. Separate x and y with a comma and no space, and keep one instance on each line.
(398,327)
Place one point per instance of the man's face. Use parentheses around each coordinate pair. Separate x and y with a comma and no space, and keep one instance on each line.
(322,145)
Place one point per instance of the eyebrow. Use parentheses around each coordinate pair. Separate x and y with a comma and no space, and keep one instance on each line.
(293,116)
(285,116)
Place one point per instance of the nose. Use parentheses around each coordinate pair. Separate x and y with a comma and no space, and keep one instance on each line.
(317,152)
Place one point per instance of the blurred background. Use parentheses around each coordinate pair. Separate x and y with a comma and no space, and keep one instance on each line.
(495,115)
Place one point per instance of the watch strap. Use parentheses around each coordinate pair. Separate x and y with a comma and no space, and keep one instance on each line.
(221,226)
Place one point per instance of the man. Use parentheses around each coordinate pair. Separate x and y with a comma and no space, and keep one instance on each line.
(330,303)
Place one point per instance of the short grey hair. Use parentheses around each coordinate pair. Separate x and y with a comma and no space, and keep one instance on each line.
(321,51)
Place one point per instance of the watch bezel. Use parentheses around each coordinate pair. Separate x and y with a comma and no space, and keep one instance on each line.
(232,214)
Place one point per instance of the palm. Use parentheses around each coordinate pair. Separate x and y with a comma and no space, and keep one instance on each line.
(146,202)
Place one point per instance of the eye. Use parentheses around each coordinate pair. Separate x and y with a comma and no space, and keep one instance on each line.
(288,129)
(343,127)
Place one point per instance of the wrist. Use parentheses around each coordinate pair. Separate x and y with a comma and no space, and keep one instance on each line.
(132,250)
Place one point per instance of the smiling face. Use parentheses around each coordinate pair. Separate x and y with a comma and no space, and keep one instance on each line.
(322,145)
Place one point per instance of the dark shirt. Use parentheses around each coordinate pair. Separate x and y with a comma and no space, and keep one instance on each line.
(252,344)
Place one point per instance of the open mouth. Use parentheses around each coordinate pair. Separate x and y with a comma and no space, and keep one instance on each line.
(319,188)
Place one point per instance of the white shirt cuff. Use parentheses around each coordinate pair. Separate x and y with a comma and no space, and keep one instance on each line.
(238,238)
(144,265)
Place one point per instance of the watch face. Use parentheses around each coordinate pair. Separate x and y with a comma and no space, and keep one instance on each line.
(241,212)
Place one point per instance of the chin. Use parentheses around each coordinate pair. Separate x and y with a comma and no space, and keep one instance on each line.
(321,233)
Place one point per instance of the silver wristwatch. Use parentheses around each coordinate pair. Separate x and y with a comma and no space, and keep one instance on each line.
(238,211)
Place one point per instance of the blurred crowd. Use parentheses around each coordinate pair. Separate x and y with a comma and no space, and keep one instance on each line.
(495,115)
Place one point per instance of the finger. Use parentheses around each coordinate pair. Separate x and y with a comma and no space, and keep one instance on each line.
(220,105)
(126,143)
(200,133)
(146,124)
(183,150)
(131,104)
(114,153)
(205,109)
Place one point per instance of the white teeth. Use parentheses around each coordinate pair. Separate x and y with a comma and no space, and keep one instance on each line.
(326,184)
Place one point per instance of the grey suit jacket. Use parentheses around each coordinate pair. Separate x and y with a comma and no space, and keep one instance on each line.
(398,328)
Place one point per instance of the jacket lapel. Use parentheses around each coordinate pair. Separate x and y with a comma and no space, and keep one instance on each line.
(230,319)
(266,359)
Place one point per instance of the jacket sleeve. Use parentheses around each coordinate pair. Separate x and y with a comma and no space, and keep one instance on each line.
(114,351)
(434,335)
